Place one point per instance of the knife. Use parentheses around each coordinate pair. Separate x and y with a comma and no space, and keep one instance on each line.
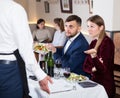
(61,91)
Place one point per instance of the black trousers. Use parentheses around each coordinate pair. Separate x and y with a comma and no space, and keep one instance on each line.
(10,80)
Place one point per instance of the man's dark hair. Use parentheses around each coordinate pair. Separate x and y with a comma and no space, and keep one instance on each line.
(74,18)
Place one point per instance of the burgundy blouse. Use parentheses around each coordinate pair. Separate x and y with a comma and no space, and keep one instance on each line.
(104,73)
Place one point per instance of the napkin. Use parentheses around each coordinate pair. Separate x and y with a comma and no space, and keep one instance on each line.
(60,85)
(87,84)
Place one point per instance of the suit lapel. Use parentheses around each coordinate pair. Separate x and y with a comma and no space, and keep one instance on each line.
(72,44)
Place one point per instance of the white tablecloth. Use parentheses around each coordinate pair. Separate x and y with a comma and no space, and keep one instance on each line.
(60,84)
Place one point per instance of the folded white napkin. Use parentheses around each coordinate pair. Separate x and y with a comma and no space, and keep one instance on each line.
(60,85)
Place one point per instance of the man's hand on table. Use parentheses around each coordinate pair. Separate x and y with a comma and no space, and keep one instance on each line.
(44,84)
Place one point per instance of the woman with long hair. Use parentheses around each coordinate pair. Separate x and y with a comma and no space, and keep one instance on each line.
(59,36)
(99,62)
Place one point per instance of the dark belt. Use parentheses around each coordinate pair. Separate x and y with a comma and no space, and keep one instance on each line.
(7,62)
(6,53)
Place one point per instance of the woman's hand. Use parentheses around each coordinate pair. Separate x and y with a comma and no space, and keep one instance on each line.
(94,69)
(92,52)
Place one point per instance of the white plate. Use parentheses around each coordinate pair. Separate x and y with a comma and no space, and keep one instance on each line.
(41,48)
(77,78)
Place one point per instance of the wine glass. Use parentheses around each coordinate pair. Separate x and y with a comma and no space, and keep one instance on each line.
(57,69)
(66,72)
(58,63)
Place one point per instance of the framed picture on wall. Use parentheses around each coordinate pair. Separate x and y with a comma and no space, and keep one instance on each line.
(38,0)
(90,2)
(66,6)
(46,4)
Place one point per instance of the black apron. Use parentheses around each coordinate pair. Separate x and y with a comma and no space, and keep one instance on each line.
(21,65)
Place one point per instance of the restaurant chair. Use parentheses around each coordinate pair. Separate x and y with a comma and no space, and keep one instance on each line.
(117,78)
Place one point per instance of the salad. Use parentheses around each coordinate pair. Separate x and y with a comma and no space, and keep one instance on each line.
(40,48)
(76,77)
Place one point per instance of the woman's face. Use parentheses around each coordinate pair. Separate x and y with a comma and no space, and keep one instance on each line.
(41,25)
(56,26)
(93,29)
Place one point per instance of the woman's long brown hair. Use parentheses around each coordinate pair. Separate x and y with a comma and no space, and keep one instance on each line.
(100,22)
(60,23)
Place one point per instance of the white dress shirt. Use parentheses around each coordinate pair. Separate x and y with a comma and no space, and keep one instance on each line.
(15,34)
(70,41)
(59,38)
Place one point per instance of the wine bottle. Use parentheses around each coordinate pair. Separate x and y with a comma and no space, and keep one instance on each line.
(43,63)
(50,64)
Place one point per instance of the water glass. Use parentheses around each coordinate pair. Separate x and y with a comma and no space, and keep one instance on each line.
(56,73)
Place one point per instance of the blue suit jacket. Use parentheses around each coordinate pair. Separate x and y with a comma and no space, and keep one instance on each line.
(74,56)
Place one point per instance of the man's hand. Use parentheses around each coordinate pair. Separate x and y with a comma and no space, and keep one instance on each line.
(50,47)
(44,84)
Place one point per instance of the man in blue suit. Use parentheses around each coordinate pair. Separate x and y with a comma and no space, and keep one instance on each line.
(72,54)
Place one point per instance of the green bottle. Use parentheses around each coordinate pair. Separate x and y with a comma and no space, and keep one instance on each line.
(50,64)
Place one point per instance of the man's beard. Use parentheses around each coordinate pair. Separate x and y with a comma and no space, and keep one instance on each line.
(72,35)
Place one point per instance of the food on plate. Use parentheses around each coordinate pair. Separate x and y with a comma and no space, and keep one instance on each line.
(76,77)
(40,47)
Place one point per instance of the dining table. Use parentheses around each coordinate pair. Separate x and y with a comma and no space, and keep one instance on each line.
(62,88)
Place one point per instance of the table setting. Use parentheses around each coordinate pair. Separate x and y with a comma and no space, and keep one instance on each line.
(65,83)
(74,86)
